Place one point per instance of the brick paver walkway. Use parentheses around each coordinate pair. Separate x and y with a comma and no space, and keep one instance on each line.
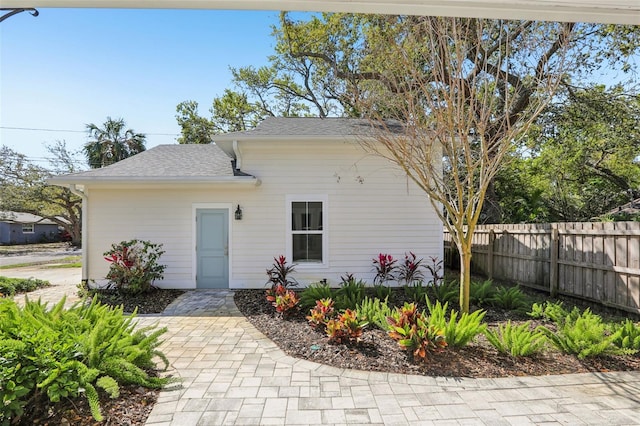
(232,374)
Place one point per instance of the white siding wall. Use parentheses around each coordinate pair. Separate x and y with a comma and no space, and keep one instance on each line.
(372,208)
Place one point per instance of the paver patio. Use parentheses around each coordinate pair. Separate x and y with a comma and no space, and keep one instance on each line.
(232,374)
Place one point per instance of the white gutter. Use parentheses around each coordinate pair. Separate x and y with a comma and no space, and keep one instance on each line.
(85,238)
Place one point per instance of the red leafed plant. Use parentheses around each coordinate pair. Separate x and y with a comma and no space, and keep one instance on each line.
(283,299)
(134,265)
(321,313)
(409,270)
(412,331)
(385,267)
(280,273)
(346,328)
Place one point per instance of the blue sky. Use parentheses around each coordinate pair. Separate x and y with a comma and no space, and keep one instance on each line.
(69,67)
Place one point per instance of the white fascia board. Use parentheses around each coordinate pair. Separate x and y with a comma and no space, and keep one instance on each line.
(147,181)
(607,11)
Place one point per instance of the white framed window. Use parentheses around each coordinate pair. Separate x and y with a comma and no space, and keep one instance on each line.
(307,234)
(27,228)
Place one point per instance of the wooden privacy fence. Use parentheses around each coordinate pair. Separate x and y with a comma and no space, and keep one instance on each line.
(594,261)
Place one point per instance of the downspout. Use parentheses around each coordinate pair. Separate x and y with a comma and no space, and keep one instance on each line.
(85,239)
(238,154)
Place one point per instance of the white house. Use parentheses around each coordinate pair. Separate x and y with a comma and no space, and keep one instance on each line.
(299,187)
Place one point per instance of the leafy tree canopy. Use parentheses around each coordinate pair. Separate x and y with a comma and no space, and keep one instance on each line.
(111,143)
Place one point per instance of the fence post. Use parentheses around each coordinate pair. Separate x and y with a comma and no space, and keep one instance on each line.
(553,273)
(492,237)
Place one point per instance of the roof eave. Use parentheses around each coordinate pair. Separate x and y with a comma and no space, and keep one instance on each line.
(154,181)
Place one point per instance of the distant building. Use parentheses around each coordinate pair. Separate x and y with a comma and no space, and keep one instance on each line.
(26,228)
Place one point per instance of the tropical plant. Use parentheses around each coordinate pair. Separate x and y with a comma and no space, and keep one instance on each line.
(283,299)
(446,291)
(57,353)
(412,331)
(347,327)
(314,292)
(280,273)
(627,335)
(350,293)
(385,268)
(375,311)
(321,313)
(134,265)
(436,269)
(458,332)
(415,291)
(381,291)
(409,269)
(517,340)
(112,143)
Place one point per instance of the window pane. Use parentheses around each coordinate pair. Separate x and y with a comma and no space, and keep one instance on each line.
(307,248)
(315,216)
(299,217)
(306,216)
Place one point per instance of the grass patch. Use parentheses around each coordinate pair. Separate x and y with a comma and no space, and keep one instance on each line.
(65,262)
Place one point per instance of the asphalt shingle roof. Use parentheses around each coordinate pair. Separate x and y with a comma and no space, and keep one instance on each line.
(168,161)
(310,127)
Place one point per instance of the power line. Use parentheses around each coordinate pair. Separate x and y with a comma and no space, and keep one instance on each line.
(73,131)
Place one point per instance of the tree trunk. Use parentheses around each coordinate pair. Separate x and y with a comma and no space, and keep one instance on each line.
(465,277)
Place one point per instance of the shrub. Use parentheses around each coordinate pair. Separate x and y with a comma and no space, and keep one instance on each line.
(457,332)
(509,298)
(627,335)
(347,327)
(381,291)
(409,270)
(481,293)
(283,299)
(351,292)
(375,311)
(321,313)
(57,353)
(550,311)
(583,334)
(313,293)
(385,267)
(413,333)
(446,292)
(11,286)
(436,270)
(280,273)
(415,291)
(517,340)
(134,265)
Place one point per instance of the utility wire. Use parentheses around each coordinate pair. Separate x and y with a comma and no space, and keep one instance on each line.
(73,131)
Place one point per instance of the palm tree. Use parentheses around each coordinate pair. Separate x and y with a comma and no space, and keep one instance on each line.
(110,144)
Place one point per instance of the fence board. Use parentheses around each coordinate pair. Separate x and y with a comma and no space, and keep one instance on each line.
(594,261)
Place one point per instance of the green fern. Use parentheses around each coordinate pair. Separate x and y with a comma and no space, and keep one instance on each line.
(550,311)
(510,298)
(94,402)
(516,340)
(109,385)
(585,335)
(446,292)
(481,293)
(458,332)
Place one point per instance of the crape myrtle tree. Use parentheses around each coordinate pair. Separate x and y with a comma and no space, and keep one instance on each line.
(463,91)
(24,188)
(111,143)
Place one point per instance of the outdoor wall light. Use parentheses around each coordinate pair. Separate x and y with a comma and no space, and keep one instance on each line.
(238,213)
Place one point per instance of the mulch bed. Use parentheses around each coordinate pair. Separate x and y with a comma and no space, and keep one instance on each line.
(378,352)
